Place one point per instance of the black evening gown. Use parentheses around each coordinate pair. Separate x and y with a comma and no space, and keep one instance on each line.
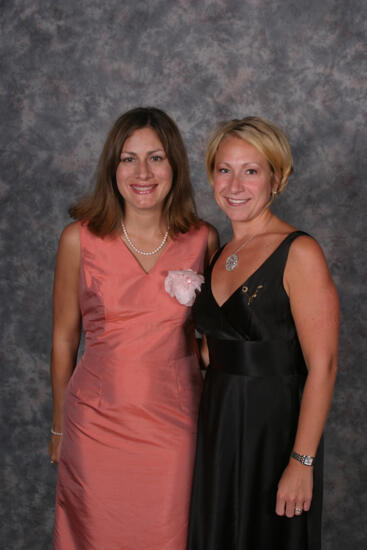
(248,417)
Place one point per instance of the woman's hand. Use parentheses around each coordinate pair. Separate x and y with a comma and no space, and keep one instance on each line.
(294,490)
(54,448)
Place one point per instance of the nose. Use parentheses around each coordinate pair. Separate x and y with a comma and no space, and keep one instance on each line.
(143,170)
(236,185)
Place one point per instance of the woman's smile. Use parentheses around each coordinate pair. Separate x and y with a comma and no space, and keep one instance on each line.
(236,202)
(140,189)
(144,175)
(242,179)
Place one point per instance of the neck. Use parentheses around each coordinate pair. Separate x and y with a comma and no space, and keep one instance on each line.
(243,230)
(144,222)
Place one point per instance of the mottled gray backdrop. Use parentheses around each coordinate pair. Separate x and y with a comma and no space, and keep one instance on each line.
(68,69)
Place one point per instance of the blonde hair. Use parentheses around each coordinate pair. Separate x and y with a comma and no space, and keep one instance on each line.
(267,138)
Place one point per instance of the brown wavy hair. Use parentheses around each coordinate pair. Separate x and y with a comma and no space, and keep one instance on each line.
(103,209)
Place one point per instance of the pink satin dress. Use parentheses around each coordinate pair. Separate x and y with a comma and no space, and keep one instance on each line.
(125,472)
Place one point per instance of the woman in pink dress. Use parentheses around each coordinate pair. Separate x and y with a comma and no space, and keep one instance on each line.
(124,422)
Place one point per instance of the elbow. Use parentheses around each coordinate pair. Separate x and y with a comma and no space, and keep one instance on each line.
(332,366)
(65,346)
(333,369)
(325,369)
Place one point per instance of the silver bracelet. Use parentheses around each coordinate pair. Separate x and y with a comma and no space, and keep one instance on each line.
(303,459)
(56,433)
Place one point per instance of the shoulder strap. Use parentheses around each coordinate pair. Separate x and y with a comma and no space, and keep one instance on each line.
(292,237)
(209,269)
(284,247)
(297,233)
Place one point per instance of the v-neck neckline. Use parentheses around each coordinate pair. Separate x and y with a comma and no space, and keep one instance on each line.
(140,267)
(248,278)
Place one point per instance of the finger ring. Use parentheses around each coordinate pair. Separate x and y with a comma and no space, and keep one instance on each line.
(52,462)
(298,511)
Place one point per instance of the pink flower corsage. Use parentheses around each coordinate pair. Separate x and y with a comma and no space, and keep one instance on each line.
(182,285)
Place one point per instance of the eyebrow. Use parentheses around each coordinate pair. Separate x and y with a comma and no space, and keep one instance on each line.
(148,153)
(244,164)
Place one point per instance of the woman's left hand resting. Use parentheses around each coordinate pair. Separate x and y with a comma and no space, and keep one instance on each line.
(294,489)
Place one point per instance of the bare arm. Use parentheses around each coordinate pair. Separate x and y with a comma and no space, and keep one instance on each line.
(315,309)
(204,351)
(66,326)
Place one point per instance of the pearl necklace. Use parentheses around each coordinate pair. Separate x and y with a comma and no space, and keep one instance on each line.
(232,260)
(132,245)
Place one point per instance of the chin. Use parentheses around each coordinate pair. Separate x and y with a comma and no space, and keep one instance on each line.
(236,216)
(147,205)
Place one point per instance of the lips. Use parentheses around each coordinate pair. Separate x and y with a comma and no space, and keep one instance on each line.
(143,189)
(236,202)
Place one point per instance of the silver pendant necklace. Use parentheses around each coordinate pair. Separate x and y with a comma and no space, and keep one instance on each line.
(232,260)
(142,252)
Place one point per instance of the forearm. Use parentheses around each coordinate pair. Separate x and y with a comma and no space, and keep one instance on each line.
(63,360)
(315,407)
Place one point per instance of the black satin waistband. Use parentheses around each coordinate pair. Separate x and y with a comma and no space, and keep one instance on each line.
(247,358)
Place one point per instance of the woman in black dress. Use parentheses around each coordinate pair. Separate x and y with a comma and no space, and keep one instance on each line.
(269,315)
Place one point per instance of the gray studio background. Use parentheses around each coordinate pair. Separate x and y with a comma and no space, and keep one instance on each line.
(68,69)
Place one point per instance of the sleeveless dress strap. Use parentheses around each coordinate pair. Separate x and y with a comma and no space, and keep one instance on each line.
(292,236)
(285,243)
(209,269)
(280,255)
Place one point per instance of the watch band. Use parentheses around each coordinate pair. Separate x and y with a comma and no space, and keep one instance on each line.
(303,459)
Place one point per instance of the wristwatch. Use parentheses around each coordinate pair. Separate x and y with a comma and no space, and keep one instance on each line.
(303,459)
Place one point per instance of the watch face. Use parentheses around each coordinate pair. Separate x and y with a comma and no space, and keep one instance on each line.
(308,461)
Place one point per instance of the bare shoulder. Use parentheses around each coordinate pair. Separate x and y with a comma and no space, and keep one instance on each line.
(306,251)
(70,236)
(66,279)
(313,299)
(307,262)
(69,246)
